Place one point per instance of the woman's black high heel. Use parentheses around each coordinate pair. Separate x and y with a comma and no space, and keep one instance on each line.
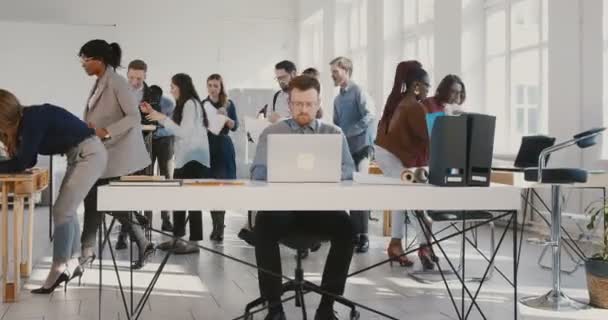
(78,272)
(64,277)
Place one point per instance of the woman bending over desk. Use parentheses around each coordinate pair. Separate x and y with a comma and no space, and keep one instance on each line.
(50,130)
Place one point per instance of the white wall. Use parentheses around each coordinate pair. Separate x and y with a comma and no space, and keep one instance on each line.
(240,39)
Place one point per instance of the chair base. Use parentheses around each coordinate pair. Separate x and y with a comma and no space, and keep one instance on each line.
(553,301)
(301,288)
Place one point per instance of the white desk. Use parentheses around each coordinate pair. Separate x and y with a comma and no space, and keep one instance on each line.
(308,196)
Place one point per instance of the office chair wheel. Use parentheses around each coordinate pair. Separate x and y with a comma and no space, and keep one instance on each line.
(354,315)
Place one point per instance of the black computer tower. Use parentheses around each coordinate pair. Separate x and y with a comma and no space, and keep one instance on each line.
(480,148)
(448,152)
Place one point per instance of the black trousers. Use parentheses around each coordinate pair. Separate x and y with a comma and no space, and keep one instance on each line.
(191,170)
(360,219)
(271,227)
(162,151)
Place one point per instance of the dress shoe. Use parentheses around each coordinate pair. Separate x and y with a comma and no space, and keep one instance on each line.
(167,245)
(323,314)
(247,236)
(64,277)
(121,243)
(167,226)
(182,247)
(363,245)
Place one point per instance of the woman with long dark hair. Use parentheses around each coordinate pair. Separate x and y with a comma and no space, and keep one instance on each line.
(192,161)
(403,142)
(223,158)
(113,113)
(49,130)
(449,96)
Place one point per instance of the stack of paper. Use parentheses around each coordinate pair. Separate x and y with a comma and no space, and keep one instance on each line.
(146,181)
(216,122)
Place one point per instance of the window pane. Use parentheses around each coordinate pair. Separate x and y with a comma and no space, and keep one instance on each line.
(495,100)
(525,74)
(520,92)
(525,23)
(409,13)
(425,10)
(533,120)
(496,32)
(519,122)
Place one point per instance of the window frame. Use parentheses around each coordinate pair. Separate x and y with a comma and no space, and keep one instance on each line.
(513,136)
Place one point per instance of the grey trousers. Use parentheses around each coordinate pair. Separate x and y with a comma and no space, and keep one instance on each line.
(85,164)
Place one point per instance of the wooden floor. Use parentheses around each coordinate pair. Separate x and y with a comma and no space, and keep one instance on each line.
(207,286)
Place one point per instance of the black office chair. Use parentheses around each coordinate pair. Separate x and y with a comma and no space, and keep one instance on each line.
(556,300)
(300,243)
(530,149)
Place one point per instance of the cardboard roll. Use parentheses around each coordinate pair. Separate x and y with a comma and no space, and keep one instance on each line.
(417,175)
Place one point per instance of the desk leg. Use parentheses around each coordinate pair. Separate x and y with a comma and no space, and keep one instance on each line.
(26,265)
(4,225)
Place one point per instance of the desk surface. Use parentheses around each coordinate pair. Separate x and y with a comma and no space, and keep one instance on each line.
(308,196)
(594,180)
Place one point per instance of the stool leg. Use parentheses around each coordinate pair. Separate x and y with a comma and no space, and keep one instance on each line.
(4,243)
(555,300)
(26,263)
(18,207)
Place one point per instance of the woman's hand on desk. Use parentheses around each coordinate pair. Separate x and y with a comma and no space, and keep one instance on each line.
(152,115)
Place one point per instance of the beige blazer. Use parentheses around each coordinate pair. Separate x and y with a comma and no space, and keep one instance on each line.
(111,105)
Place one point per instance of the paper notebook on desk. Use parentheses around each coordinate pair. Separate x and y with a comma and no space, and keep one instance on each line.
(214,182)
(149,183)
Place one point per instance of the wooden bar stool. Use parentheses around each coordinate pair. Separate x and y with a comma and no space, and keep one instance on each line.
(20,187)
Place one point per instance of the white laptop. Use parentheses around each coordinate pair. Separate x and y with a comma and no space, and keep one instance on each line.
(304,157)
